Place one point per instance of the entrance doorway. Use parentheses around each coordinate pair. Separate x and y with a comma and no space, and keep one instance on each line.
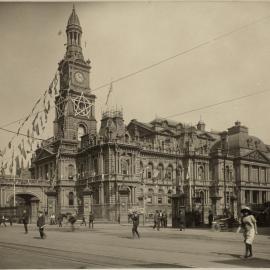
(27,202)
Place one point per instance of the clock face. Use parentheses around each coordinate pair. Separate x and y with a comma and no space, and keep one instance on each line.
(79,77)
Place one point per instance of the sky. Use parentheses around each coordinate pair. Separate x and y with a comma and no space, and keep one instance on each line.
(122,37)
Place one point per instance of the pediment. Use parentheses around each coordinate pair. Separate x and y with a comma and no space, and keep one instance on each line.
(43,153)
(256,156)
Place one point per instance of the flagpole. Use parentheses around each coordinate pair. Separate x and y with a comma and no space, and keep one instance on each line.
(14,186)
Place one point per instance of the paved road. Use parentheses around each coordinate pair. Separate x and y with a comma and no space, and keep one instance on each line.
(111,246)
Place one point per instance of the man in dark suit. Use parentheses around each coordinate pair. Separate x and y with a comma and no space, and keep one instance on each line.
(135,220)
(91,219)
(41,224)
(25,220)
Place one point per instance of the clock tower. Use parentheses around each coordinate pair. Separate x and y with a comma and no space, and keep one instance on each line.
(75,105)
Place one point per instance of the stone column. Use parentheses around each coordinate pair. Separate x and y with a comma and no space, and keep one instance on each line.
(87,202)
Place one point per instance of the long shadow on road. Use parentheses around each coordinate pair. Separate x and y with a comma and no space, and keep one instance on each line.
(240,261)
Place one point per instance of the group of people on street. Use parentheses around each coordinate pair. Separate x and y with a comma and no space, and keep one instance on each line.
(5,219)
(160,219)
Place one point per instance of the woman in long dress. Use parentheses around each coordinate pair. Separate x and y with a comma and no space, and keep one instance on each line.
(249,226)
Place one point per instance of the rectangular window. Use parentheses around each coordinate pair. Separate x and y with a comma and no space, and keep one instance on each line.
(159,200)
(149,199)
(255,174)
(246,173)
(263,196)
(255,197)
(247,196)
(263,175)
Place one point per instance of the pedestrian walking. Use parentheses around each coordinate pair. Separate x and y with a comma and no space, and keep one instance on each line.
(249,227)
(181,220)
(53,219)
(210,218)
(135,221)
(3,220)
(41,225)
(72,221)
(91,219)
(83,221)
(10,219)
(157,220)
(60,220)
(25,220)
(165,219)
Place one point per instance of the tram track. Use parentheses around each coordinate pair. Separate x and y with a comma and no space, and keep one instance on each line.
(83,259)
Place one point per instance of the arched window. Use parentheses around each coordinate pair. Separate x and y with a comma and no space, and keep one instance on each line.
(169,172)
(71,171)
(160,171)
(150,170)
(126,138)
(71,199)
(201,173)
(124,166)
(81,131)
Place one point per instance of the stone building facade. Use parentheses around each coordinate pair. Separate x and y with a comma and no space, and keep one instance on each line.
(122,166)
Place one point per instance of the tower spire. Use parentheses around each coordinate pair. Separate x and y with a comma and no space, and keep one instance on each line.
(74,34)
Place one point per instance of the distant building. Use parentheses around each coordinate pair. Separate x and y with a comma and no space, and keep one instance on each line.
(140,164)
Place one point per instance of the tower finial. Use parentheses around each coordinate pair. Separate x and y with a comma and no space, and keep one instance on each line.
(73,7)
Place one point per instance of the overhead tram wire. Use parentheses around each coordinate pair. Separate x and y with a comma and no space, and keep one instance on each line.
(163,60)
(216,104)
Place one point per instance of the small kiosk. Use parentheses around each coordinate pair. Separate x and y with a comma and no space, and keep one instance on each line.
(178,208)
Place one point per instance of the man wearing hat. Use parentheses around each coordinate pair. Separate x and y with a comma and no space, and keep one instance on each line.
(249,226)
(41,224)
(135,220)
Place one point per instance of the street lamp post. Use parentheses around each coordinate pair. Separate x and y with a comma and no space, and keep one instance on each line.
(225,192)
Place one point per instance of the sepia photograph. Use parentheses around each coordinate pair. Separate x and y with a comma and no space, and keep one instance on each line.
(134,134)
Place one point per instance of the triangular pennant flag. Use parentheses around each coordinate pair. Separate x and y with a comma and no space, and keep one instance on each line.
(37,129)
(50,88)
(20,147)
(41,122)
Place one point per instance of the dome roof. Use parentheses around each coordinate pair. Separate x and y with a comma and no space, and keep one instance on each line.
(237,141)
(73,18)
